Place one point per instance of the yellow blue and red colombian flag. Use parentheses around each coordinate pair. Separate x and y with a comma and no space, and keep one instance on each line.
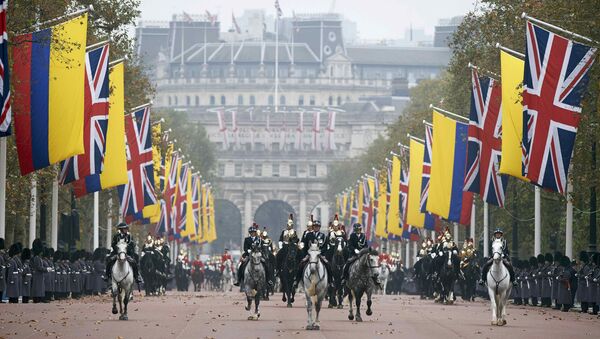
(49,75)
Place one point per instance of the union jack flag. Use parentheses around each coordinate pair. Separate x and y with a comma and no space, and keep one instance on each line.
(367,207)
(555,79)
(163,220)
(426,168)
(5,110)
(169,193)
(196,199)
(404,178)
(181,198)
(411,233)
(354,210)
(96,119)
(485,141)
(139,191)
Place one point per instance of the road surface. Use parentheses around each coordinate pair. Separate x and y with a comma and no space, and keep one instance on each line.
(219,315)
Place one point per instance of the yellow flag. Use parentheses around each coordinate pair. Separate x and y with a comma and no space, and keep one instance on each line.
(114,172)
(213,227)
(393,216)
(511,69)
(153,211)
(380,230)
(205,225)
(66,89)
(414,216)
(344,205)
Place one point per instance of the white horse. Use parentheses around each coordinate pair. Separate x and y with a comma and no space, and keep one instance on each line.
(384,274)
(122,281)
(315,286)
(227,276)
(499,286)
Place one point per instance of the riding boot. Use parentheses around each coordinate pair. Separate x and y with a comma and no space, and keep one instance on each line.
(300,272)
(329,273)
(240,273)
(136,274)
(267,273)
(511,270)
(109,264)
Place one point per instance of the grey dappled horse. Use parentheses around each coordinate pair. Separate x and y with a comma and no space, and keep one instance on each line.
(315,286)
(361,280)
(499,286)
(254,282)
(122,281)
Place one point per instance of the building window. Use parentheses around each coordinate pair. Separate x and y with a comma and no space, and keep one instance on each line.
(240,99)
(212,100)
(312,170)
(238,170)
(258,170)
(197,100)
(282,100)
(221,170)
(169,100)
(275,170)
(330,102)
(175,97)
(252,100)
(271,100)
(339,101)
(293,170)
(223,101)
(301,100)
(312,100)
(188,100)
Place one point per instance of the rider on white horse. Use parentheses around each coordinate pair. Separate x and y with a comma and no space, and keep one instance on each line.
(317,237)
(249,242)
(498,234)
(123,234)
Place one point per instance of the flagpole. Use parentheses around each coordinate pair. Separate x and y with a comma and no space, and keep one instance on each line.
(96,221)
(569,225)
(549,25)
(109,223)
(537,243)
(407,255)
(68,15)
(455,232)
(472,228)
(32,209)
(2,188)
(54,213)
(277,62)
(486,230)
(510,51)
(454,115)
(415,252)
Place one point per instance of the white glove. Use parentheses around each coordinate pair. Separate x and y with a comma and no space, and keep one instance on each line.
(280,244)
(356,251)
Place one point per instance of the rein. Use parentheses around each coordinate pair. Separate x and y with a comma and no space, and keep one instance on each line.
(494,278)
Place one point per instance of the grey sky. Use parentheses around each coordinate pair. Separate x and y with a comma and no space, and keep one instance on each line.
(376,19)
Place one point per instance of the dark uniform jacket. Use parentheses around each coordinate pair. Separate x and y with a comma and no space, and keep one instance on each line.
(128,239)
(13,277)
(3,264)
(356,243)
(39,270)
(248,242)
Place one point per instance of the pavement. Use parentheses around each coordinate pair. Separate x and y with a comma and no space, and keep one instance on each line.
(222,315)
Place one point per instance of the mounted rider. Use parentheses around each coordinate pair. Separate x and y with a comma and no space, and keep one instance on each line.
(267,243)
(224,257)
(148,245)
(499,235)
(336,231)
(288,235)
(251,241)
(356,243)
(132,258)
(313,237)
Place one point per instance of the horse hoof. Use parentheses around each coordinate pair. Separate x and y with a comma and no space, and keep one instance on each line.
(292,299)
(501,322)
(114,310)
(340,307)
(330,306)
(247,308)
(350,317)
(316,327)
(284,299)
(250,317)
(309,327)
(123,317)
(289,305)
(494,323)
(369,312)
(358,319)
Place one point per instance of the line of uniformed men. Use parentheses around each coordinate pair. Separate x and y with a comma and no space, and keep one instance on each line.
(41,274)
